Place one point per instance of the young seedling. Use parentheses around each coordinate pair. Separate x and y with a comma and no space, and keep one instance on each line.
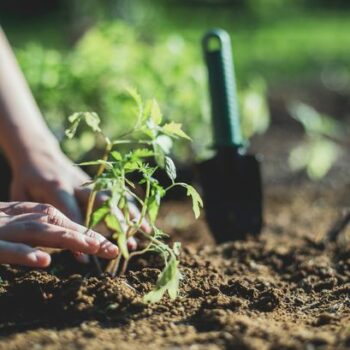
(142,150)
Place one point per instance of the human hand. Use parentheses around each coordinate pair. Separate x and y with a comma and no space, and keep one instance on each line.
(46,175)
(26,225)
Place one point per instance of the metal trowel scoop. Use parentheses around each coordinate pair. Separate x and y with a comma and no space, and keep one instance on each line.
(231,181)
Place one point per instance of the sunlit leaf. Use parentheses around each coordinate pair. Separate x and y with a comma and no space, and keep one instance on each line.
(170,168)
(116,155)
(155,112)
(113,223)
(175,129)
(162,146)
(98,215)
(197,202)
(168,281)
(177,248)
(92,120)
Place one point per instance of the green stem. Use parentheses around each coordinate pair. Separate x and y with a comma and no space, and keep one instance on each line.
(121,142)
(92,198)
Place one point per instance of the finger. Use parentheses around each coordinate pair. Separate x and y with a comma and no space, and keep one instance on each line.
(35,233)
(48,214)
(132,244)
(21,254)
(81,257)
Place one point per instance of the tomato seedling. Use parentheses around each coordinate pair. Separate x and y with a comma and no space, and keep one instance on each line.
(148,147)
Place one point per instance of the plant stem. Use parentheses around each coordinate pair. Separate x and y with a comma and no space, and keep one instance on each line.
(91,200)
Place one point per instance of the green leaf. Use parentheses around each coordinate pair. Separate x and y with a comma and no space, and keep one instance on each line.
(177,248)
(98,215)
(71,131)
(197,202)
(168,281)
(155,112)
(161,146)
(138,100)
(113,223)
(174,129)
(170,168)
(116,155)
(92,120)
(142,153)
(75,117)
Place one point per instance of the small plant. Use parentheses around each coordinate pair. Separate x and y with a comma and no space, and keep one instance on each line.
(323,142)
(142,150)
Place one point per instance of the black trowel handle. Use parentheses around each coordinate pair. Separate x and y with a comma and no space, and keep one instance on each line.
(218,56)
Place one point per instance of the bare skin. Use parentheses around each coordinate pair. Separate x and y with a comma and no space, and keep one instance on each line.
(41,172)
(26,225)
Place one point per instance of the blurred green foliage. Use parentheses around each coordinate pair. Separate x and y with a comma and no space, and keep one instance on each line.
(109,58)
(154,45)
(321,146)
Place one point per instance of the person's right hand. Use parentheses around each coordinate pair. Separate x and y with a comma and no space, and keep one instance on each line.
(26,225)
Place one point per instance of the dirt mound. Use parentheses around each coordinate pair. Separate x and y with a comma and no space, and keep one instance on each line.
(242,295)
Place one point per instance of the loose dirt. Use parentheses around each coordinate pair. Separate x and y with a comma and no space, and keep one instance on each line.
(287,290)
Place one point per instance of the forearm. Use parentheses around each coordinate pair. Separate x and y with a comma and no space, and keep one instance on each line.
(22,128)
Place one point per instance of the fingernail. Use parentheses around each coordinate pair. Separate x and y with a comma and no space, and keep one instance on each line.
(43,259)
(112,250)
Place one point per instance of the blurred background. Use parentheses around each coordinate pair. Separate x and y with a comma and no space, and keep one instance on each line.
(292,60)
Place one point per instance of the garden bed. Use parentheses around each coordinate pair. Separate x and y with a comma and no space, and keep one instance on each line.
(287,290)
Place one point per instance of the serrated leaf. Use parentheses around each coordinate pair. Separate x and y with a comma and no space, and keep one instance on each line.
(142,153)
(74,117)
(135,95)
(175,129)
(92,120)
(71,131)
(161,146)
(168,281)
(170,168)
(197,202)
(138,100)
(98,215)
(155,112)
(116,155)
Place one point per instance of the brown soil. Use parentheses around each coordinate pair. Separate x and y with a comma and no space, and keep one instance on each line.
(287,290)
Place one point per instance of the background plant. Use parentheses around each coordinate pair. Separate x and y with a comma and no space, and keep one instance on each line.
(147,149)
(170,66)
(322,144)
